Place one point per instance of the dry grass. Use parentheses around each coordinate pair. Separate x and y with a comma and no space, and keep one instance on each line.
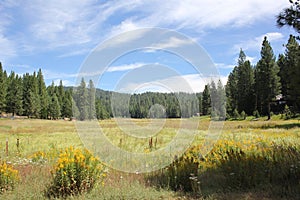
(44,135)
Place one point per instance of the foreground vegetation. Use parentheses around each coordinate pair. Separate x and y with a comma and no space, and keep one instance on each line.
(251,160)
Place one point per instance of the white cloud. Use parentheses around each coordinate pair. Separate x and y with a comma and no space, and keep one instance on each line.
(64,82)
(58,24)
(190,83)
(125,67)
(8,49)
(251,59)
(224,66)
(255,43)
(206,14)
(172,42)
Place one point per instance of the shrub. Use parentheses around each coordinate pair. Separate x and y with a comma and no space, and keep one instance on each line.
(75,172)
(287,112)
(8,177)
(256,114)
(235,165)
(236,114)
(243,115)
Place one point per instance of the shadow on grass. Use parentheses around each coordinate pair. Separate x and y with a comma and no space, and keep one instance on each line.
(281,126)
(274,174)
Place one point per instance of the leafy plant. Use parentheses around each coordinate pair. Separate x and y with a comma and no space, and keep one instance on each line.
(8,177)
(75,172)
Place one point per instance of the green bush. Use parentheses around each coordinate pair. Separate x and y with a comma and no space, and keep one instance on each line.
(256,114)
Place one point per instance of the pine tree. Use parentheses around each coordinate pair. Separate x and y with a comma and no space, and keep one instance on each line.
(35,101)
(232,92)
(283,74)
(267,80)
(43,95)
(290,16)
(206,103)
(221,106)
(292,66)
(245,82)
(82,100)
(54,108)
(26,95)
(3,89)
(101,113)
(91,101)
(60,92)
(67,105)
(14,94)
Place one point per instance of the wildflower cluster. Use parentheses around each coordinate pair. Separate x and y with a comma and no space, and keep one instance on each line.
(235,163)
(8,177)
(76,171)
(41,157)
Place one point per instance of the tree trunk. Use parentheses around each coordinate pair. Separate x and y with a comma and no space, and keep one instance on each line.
(269,111)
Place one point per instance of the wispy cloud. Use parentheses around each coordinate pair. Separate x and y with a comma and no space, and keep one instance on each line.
(64,82)
(224,66)
(190,83)
(77,24)
(172,42)
(125,67)
(256,42)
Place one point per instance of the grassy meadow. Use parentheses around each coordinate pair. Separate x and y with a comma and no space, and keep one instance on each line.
(252,159)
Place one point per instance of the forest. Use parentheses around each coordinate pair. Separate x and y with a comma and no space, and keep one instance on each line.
(270,86)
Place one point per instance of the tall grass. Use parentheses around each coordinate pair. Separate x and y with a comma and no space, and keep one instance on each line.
(258,158)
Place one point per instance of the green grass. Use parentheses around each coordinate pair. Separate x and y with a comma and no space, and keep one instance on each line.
(46,135)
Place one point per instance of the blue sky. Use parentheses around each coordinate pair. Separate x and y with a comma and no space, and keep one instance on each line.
(58,36)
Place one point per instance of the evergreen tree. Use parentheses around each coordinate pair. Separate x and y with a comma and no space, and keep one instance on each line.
(245,82)
(267,80)
(292,66)
(82,100)
(54,108)
(231,92)
(91,101)
(60,92)
(283,74)
(67,105)
(43,95)
(290,16)
(3,89)
(206,103)
(221,106)
(218,101)
(101,112)
(199,95)
(35,101)
(14,95)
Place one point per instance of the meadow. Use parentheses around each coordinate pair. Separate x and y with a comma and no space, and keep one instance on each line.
(252,159)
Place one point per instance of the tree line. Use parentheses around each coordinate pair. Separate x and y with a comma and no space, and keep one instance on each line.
(28,95)
(269,86)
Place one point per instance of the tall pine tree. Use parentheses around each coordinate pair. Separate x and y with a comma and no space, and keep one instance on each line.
(206,103)
(267,81)
(232,92)
(43,95)
(245,82)
(292,66)
(14,95)
(91,100)
(3,89)
(81,99)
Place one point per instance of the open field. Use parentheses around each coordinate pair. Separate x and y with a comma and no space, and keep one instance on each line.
(244,149)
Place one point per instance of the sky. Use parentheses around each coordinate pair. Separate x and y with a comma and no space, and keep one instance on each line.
(61,37)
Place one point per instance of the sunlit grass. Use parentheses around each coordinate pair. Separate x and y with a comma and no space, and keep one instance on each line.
(46,136)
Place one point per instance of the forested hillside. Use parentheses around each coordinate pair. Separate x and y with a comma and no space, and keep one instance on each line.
(272,85)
